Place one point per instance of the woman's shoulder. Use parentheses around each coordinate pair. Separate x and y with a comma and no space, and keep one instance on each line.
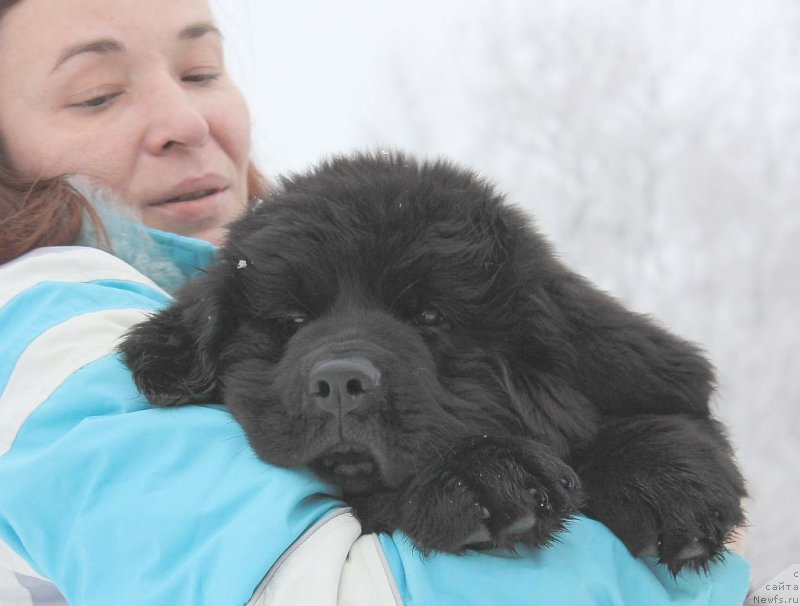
(70,264)
(59,286)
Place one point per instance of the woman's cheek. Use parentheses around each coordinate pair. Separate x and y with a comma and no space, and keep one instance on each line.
(233,127)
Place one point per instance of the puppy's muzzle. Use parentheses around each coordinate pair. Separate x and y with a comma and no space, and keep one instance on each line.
(338,386)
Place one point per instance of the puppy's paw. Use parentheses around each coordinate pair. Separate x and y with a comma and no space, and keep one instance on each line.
(490,493)
(685,530)
(666,485)
(698,539)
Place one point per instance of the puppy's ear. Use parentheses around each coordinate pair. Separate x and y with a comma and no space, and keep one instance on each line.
(622,361)
(173,355)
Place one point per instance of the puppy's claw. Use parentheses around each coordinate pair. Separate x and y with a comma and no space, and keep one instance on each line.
(694,549)
(695,553)
(568,483)
(483,512)
(517,529)
(479,538)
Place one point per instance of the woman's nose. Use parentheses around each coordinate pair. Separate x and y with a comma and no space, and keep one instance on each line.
(174,119)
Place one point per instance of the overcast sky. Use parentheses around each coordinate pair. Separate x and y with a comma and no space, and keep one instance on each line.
(319,74)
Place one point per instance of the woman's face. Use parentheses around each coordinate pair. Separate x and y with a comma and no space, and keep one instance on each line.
(133,94)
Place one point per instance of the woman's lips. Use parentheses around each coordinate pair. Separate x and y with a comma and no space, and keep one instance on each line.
(198,205)
(191,196)
(192,188)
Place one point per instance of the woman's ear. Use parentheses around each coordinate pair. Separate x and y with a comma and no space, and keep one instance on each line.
(174,354)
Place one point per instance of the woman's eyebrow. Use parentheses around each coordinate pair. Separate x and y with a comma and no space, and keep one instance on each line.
(107,46)
(102,47)
(198,30)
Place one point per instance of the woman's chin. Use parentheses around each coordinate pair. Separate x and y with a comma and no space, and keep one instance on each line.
(215,235)
(205,219)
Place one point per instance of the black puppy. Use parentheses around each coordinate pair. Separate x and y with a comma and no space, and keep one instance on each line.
(402,330)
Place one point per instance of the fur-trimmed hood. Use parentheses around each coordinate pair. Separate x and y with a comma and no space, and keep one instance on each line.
(167,259)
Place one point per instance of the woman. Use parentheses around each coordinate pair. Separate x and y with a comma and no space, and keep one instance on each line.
(105,500)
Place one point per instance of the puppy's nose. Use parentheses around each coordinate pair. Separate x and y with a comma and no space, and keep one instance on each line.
(337,385)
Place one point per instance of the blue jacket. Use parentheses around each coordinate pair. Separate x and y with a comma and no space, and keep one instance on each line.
(113,502)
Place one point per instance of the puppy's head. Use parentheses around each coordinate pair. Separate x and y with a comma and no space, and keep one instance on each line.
(375,310)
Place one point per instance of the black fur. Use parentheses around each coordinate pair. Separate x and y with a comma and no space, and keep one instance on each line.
(496,392)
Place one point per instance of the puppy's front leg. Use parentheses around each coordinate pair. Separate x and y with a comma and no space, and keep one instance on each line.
(486,492)
(666,485)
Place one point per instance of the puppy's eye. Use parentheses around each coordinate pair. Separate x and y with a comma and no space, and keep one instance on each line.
(431,317)
(288,322)
(294,319)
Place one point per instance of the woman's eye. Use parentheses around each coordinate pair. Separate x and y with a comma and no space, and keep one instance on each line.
(201,78)
(96,102)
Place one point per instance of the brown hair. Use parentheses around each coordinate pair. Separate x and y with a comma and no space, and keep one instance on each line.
(49,212)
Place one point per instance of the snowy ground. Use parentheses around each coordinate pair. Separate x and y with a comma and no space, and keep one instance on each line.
(658,143)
